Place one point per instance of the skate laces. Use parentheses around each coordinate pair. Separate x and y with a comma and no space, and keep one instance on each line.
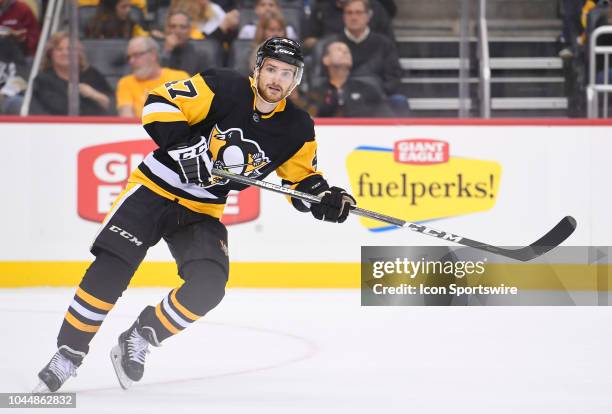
(138,347)
(62,367)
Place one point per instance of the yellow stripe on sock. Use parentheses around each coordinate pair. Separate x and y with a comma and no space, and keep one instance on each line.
(80,325)
(164,321)
(183,309)
(93,301)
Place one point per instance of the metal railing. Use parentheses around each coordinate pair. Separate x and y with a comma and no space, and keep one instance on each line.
(594,88)
(42,41)
(484,62)
(464,59)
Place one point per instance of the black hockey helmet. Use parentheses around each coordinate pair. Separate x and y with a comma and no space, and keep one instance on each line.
(280,48)
(284,50)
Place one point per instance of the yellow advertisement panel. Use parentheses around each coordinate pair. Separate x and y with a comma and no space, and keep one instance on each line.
(418,180)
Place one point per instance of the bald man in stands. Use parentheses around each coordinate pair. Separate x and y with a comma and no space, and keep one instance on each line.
(147,74)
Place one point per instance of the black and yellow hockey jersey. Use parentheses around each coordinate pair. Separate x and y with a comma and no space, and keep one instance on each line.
(219,105)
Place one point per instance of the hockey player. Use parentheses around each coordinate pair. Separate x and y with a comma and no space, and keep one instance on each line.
(218,118)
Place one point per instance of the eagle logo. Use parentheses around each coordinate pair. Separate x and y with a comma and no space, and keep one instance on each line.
(232,152)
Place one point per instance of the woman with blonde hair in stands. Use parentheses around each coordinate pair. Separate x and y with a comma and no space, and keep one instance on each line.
(262,9)
(112,21)
(51,85)
(208,18)
(270,25)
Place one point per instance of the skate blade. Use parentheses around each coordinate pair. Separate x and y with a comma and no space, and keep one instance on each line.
(41,388)
(115,356)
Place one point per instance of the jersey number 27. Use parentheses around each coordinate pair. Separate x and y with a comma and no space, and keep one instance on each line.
(190,91)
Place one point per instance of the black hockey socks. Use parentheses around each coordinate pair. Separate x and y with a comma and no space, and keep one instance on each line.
(203,289)
(104,282)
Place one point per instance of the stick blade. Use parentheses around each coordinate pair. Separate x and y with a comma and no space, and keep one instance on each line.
(549,241)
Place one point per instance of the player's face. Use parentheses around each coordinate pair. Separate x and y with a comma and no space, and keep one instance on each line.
(274,80)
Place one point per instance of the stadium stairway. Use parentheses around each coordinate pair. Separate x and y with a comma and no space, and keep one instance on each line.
(527,73)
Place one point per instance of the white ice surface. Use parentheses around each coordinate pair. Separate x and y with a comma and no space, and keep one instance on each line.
(318,351)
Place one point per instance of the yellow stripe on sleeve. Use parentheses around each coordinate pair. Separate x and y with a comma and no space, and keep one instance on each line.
(164,321)
(182,309)
(80,325)
(93,301)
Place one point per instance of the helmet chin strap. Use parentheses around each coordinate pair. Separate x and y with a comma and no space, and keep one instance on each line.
(260,96)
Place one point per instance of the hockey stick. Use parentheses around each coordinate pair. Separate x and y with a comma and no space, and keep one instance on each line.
(550,240)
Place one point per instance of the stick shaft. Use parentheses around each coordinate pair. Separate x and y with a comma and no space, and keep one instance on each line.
(550,240)
(314,199)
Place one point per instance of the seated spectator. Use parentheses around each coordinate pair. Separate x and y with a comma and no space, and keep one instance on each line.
(50,89)
(18,21)
(112,21)
(13,72)
(209,19)
(341,95)
(147,74)
(270,25)
(178,53)
(243,53)
(597,17)
(326,19)
(373,54)
(263,8)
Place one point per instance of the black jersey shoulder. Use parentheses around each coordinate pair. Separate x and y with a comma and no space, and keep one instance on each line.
(301,123)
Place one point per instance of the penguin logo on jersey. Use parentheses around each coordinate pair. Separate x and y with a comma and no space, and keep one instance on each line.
(232,152)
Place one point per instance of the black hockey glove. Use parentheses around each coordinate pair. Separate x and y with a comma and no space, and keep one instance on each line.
(334,206)
(194,161)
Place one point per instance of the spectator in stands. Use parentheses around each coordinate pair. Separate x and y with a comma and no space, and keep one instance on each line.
(50,90)
(209,18)
(339,94)
(263,8)
(147,73)
(373,54)
(18,22)
(270,25)
(112,21)
(178,53)
(327,19)
(13,72)
(601,15)
(571,27)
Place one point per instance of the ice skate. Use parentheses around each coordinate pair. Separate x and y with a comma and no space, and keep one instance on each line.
(128,356)
(62,366)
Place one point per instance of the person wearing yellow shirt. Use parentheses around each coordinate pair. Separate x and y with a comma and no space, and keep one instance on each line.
(147,74)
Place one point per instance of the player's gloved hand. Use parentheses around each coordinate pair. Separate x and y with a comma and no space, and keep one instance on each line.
(194,161)
(334,206)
